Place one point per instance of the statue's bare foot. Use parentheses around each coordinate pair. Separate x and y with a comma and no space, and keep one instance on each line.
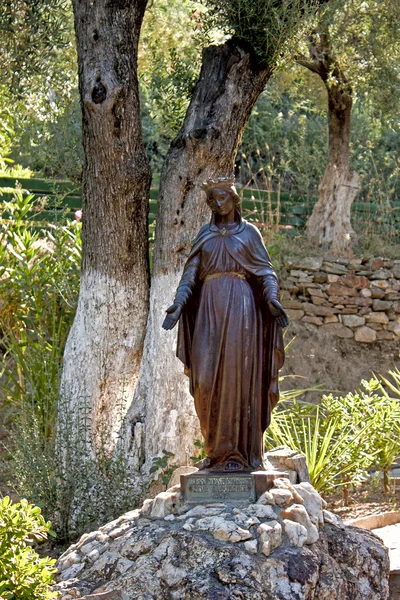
(233,465)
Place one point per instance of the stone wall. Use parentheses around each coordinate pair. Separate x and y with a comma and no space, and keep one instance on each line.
(348,298)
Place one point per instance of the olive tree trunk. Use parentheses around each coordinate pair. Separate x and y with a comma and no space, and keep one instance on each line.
(330,222)
(105,345)
(162,415)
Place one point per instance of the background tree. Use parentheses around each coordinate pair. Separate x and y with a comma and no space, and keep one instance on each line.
(34,34)
(354,47)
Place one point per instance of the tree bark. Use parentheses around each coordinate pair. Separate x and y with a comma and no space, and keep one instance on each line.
(104,348)
(329,224)
(162,415)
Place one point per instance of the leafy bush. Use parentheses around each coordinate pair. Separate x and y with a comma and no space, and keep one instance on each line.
(39,283)
(23,574)
(342,437)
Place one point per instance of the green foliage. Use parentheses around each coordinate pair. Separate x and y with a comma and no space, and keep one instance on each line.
(30,33)
(38,77)
(39,282)
(161,463)
(170,48)
(23,574)
(201,452)
(270,27)
(387,430)
(37,465)
(363,37)
(342,437)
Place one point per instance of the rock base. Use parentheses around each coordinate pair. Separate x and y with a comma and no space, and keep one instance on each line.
(283,547)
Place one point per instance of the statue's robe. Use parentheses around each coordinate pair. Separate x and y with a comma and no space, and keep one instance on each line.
(230,345)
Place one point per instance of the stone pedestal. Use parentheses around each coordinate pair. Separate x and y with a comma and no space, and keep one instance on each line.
(205,487)
(283,546)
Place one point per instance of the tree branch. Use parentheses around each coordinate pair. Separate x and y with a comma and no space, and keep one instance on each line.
(308,64)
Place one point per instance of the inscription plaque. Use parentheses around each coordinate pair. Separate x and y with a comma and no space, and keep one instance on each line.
(231,488)
(220,487)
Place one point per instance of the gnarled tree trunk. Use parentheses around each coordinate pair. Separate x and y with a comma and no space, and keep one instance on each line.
(162,415)
(105,345)
(330,222)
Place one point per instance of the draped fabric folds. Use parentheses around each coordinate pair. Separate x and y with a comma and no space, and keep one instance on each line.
(230,345)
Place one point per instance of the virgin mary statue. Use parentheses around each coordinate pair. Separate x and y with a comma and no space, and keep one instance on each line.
(230,333)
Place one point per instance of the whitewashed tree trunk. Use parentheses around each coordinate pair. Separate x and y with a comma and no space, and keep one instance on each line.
(104,348)
(329,224)
(206,146)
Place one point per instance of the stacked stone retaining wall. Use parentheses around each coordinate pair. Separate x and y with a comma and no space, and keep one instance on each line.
(348,298)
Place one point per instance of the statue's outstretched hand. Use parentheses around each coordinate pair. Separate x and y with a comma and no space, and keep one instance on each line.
(173,314)
(278,312)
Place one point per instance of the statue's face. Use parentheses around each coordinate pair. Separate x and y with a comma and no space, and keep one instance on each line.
(220,201)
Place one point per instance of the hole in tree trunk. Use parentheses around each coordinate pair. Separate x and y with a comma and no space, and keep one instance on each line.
(99,93)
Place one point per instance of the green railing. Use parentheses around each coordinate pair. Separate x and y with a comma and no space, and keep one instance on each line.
(58,200)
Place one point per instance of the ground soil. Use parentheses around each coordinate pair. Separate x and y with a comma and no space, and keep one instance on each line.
(338,365)
(364,502)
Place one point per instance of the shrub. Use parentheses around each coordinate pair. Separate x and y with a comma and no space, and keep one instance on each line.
(23,574)
(39,283)
(342,437)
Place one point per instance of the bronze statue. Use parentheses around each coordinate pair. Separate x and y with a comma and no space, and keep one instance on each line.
(230,333)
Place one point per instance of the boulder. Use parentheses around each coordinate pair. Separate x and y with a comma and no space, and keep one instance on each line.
(220,551)
(284,458)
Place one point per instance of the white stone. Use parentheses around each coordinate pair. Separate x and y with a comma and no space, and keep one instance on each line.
(69,560)
(262,511)
(332,519)
(113,524)
(118,531)
(297,513)
(281,497)
(270,536)
(145,511)
(93,555)
(202,511)
(132,515)
(251,546)
(286,484)
(296,533)
(72,572)
(266,498)
(164,504)
(242,519)
(221,529)
(88,548)
(313,503)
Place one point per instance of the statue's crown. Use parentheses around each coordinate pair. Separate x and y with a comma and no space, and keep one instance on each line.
(219,182)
